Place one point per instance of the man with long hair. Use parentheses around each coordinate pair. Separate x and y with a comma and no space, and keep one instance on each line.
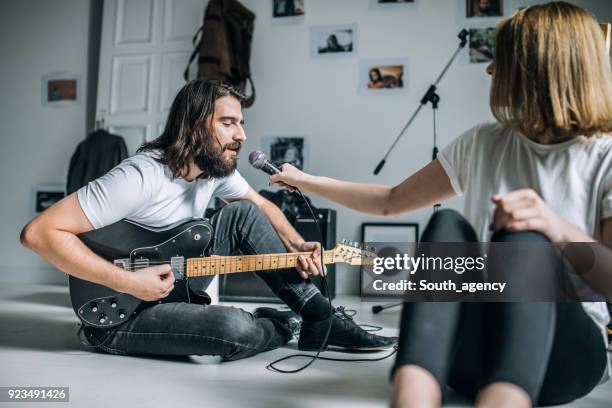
(173,178)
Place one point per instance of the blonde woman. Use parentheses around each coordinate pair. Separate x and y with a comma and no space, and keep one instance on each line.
(542,173)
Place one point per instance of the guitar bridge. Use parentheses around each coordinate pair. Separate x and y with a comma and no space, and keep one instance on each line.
(177,264)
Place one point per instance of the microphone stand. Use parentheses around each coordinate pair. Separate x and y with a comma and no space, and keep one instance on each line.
(430,96)
(434,98)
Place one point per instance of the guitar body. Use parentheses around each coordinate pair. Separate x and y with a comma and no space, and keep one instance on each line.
(132,246)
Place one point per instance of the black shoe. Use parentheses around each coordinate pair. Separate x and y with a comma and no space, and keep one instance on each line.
(345,333)
(289,319)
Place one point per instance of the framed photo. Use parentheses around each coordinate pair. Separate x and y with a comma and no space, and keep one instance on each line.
(61,89)
(378,235)
(333,40)
(389,232)
(484,8)
(383,76)
(482,44)
(45,195)
(287,8)
(290,150)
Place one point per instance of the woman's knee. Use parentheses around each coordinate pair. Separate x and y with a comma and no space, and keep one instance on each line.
(504,235)
(448,225)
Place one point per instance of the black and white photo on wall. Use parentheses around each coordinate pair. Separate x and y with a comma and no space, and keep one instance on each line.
(290,150)
(482,44)
(45,195)
(287,8)
(484,8)
(326,40)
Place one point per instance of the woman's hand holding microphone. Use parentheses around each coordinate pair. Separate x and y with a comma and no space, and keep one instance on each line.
(289,178)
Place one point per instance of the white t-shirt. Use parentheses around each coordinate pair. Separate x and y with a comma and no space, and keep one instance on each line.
(142,190)
(574,178)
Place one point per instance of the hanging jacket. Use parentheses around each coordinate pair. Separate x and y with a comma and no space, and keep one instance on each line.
(94,157)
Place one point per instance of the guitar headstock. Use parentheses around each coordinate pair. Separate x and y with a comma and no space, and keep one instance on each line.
(352,254)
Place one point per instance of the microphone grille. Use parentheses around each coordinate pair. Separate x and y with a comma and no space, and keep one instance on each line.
(257,159)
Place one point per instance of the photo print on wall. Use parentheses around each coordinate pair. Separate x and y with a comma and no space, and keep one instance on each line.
(381,76)
(484,8)
(482,44)
(290,150)
(287,8)
(333,40)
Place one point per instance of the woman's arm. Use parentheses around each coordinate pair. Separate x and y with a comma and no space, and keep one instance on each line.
(426,187)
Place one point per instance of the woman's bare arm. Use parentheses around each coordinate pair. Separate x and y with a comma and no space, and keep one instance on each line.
(426,187)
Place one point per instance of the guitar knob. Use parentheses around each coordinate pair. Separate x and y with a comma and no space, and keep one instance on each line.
(94,307)
(113,304)
(101,318)
(121,314)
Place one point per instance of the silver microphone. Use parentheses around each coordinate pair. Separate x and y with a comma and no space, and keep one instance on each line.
(259,160)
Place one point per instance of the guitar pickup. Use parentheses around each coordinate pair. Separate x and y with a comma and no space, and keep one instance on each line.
(177,264)
(122,263)
(141,263)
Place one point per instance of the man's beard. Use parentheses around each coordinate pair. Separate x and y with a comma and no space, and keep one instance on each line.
(212,164)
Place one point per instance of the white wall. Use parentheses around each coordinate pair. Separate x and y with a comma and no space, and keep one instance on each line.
(37,37)
(349,133)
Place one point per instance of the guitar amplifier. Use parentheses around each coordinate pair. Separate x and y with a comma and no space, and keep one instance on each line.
(247,287)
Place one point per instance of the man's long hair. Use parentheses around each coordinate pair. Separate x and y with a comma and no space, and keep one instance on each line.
(188,129)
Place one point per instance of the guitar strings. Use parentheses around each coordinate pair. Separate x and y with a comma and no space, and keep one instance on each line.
(131,266)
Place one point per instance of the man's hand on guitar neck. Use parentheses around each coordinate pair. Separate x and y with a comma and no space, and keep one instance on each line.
(306,266)
(148,284)
(311,265)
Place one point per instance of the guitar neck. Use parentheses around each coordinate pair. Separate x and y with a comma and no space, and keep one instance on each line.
(221,265)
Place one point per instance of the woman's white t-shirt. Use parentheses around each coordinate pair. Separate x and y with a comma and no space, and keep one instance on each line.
(574,178)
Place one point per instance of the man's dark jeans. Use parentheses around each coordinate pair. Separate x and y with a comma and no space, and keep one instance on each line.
(183,328)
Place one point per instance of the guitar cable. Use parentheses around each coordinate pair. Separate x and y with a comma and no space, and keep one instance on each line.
(273,366)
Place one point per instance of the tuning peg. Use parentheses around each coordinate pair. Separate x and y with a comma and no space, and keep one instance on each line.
(343,241)
(355,244)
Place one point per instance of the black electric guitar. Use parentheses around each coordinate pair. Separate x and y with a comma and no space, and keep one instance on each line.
(132,246)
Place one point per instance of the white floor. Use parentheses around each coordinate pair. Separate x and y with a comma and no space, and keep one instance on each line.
(38,347)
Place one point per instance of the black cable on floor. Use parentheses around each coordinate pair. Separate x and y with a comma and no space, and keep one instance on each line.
(273,365)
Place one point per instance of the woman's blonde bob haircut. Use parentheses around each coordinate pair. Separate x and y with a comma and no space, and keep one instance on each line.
(552,78)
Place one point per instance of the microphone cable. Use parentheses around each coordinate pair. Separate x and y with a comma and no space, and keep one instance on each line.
(273,366)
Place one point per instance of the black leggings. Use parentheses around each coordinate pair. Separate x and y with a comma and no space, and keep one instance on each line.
(554,351)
